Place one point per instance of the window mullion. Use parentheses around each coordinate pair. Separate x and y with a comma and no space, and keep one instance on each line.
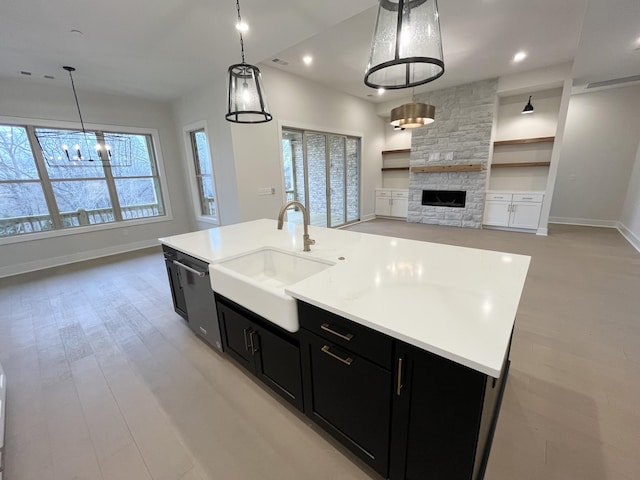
(45,181)
(111,185)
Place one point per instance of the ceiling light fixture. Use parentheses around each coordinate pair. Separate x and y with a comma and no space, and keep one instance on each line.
(528,108)
(242,27)
(520,56)
(88,147)
(413,115)
(246,100)
(406,50)
(381,91)
(307,59)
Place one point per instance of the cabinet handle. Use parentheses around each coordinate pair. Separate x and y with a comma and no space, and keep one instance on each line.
(246,343)
(204,332)
(399,385)
(188,268)
(347,337)
(527,198)
(346,361)
(253,348)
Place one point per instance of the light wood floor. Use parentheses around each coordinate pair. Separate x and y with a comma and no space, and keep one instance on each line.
(106,382)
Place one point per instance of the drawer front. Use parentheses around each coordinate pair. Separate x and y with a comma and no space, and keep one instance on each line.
(364,341)
(499,196)
(400,194)
(383,193)
(530,197)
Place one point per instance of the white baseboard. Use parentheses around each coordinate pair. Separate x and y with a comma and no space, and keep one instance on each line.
(631,237)
(542,232)
(75,257)
(366,218)
(585,222)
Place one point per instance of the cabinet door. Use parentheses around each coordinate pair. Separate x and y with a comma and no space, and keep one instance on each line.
(399,207)
(525,215)
(383,206)
(278,364)
(236,336)
(350,398)
(496,213)
(437,406)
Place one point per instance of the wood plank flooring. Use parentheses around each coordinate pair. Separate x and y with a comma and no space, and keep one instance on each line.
(105,381)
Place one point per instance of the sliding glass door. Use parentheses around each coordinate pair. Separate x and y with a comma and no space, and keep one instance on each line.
(322,171)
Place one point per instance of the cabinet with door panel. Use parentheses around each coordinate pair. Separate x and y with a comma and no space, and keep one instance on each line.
(517,210)
(391,202)
(270,353)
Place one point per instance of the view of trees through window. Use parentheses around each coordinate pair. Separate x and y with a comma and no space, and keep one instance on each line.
(38,194)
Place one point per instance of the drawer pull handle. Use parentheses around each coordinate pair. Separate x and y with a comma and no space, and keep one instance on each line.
(347,337)
(527,198)
(346,361)
(203,330)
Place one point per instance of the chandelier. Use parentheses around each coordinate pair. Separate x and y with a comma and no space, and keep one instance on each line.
(78,148)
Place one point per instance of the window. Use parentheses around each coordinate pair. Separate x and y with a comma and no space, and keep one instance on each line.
(38,195)
(203,173)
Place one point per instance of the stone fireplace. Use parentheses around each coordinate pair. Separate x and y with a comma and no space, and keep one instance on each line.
(458,144)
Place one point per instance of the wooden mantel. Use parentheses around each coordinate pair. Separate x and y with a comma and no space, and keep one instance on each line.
(472,167)
(524,141)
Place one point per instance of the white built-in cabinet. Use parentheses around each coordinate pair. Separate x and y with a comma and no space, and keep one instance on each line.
(391,202)
(516,210)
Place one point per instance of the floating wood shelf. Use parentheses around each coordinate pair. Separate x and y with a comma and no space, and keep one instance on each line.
(523,141)
(473,167)
(402,150)
(395,169)
(520,164)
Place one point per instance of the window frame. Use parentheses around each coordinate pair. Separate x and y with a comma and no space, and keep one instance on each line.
(45,182)
(193,179)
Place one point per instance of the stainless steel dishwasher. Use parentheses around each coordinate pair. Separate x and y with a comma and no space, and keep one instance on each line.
(201,306)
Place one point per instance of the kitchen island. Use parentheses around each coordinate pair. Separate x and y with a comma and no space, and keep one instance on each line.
(402,350)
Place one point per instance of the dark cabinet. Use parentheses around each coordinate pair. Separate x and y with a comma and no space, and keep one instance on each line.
(175,282)
(444,415)
(346,387)
(270,353)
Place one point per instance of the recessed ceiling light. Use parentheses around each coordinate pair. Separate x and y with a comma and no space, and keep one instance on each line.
(24,72)
(242,26)
(49,77)
(520,56)
(381,91)
(76,32)
(307,59)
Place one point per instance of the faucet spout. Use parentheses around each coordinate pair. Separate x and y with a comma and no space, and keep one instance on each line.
(307,241)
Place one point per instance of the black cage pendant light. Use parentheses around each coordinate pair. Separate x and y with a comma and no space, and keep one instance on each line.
(406,50)
(246,100)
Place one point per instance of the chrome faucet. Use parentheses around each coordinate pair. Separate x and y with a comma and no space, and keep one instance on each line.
(305,219)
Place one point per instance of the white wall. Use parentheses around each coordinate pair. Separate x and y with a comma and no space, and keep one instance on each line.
(597,158)
(248,157)
(20,98)
(630,218)
(511,125)
(208,104)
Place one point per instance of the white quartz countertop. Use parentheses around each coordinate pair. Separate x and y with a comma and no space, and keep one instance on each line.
(459,303)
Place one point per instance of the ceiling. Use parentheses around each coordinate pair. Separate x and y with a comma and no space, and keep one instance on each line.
(161,50)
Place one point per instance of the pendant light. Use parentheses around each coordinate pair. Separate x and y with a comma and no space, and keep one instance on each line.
(413,115)
(82,148)
(528,108)
(406,50)
(246,100)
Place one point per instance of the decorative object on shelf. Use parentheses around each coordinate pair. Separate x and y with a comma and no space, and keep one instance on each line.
(413,115)
(78,148)
(406,49)
(246,100)
(528,108)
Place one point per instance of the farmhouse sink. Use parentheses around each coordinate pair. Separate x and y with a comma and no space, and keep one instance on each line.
(257,280)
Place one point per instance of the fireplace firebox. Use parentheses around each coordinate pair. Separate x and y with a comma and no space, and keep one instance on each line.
(444,198)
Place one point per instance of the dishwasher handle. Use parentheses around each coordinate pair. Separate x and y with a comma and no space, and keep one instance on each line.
(188,268)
